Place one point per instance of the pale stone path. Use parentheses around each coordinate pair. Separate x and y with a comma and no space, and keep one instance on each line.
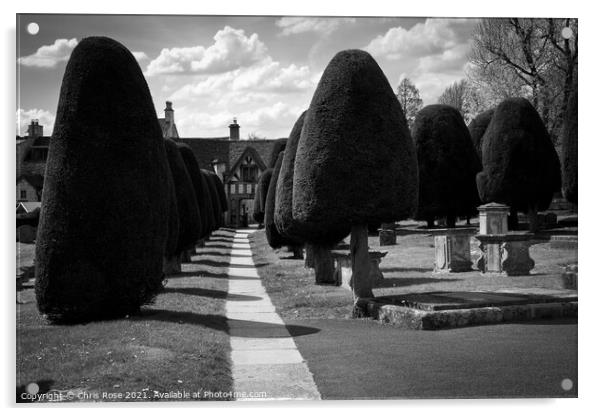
(264,355)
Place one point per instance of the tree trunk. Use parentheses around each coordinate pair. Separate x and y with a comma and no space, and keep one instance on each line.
(323,265)
(533,225)
(309,256)
(450,221)
(360,266)
(297,252)
(513,219)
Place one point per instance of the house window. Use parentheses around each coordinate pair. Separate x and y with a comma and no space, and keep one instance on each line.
(241,189)
(232,188)
(249,188)
(23,194)
(249,173)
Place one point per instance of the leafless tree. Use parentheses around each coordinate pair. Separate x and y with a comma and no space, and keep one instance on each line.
(409,98)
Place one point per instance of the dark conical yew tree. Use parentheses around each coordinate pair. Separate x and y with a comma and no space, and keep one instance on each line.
(283,214)
(477,128)
(261,193)
(275,239)
(279,146)
(173,221)
(447,165)
(188,210)
(200,190)
(221,193)
(215,200)
(520,165)
(102,230)
(355,161)
(569,148)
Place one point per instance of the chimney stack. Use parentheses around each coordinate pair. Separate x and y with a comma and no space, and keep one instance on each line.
(35,130)
(169,117)
(234,130)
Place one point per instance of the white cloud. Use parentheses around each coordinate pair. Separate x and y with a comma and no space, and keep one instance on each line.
(48,56)
(44,117)
(432,54)
(231,49)
(271,121)
(434,36)
(140,56)
(267,76)
(322,25)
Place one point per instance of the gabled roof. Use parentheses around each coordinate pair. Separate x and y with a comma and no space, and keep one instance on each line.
(248,151)
(169,131)
(37,181)
(28,206)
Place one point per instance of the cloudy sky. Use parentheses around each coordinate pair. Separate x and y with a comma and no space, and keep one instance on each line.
(262,70)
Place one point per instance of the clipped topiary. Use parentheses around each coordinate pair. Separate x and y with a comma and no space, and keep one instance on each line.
(355,161)
(477,128)
(261,193)
(215,200)
(278,146)
(569,148)
(201,190)
(188,210)
(102,229)
(173,223)
(520,165)
(447,164)
(221,193)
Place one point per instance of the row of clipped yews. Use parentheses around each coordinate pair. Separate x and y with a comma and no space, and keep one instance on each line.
(350,163)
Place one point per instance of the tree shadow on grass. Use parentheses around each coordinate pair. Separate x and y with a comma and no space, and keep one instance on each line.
(409,281)
(406,269)
(216,246)
(198,273)
(235,327)
(210,293)
(220,240)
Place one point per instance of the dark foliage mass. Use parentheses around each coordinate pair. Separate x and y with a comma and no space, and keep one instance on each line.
(102,228)
(569,145)
(216,204)
(29,218)
(283,213)
(355,161)
(173,218)
(260,195)
(477,128)
(221,195)
(201,190)
(520,165)
(275,239)
(279,146)
(447,163)
(188,209)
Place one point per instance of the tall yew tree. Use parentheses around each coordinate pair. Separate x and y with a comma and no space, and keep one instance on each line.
(355,161)
(103,228)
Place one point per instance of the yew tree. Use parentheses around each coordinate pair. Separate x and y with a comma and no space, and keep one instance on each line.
(355,161)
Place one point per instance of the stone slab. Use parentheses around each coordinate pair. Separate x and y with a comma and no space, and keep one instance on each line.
(275,381)
(242,272)
(266,356)
(410,318)
(241,261)
(243,343)
(262,317)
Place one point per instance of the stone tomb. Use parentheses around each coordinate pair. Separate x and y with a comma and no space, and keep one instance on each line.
(343,271)
(452,249)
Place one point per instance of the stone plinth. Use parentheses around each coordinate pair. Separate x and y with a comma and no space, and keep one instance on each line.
(493,218)
(387,237)
(505,253)
(343,270)
(452,249)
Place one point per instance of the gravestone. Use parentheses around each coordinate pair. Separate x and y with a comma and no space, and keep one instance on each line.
(387,236)
(343,270)
(452,250)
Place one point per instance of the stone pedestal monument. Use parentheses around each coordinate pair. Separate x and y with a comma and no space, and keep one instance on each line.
(452,249)
(387,235)
(502,252)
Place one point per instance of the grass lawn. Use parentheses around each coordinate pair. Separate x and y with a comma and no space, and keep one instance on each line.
(407,268)
(178,344)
